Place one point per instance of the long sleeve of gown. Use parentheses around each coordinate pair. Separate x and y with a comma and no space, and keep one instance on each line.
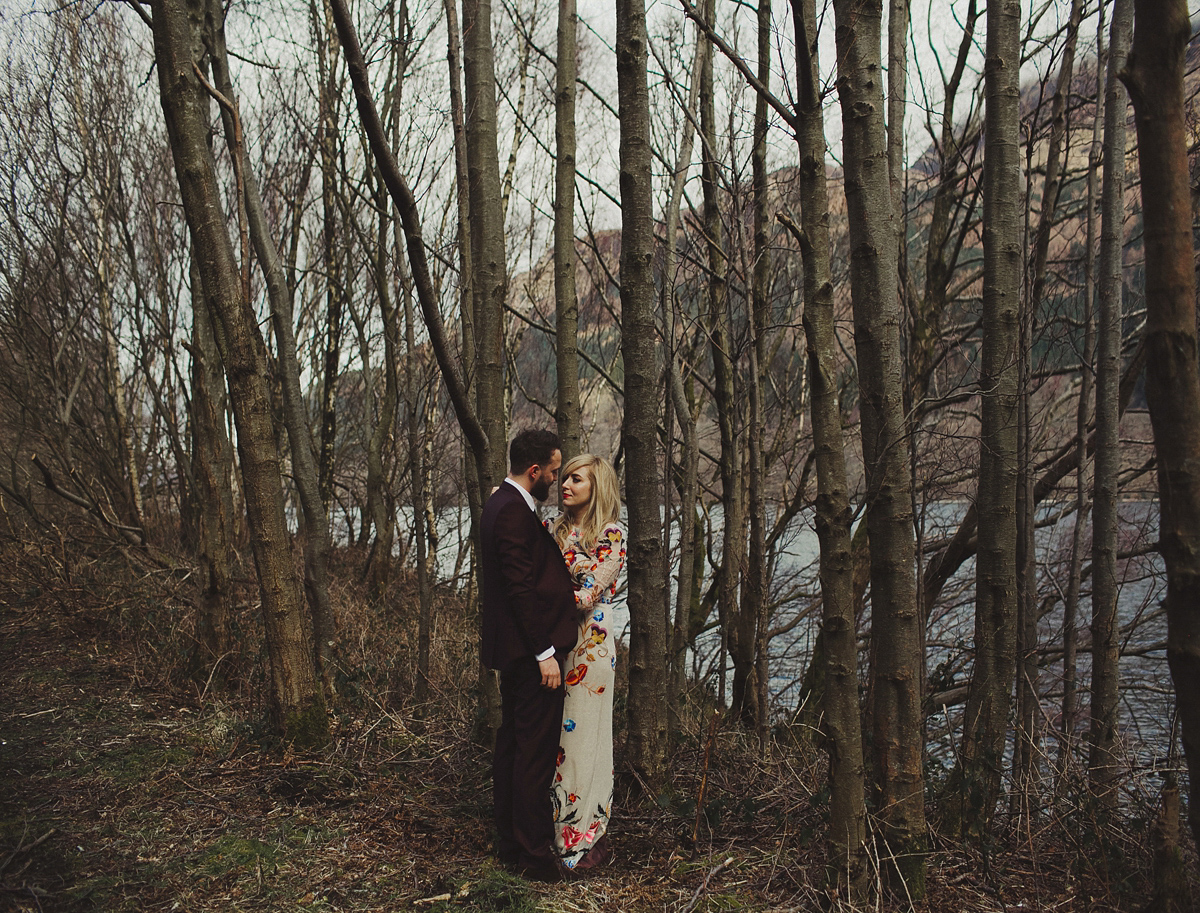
(597,572)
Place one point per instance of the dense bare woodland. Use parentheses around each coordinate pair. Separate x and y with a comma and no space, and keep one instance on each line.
(886,314)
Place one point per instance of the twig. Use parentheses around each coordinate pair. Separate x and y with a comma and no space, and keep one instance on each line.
(715,870)
(237,155)
(708,744)
(132,534)
(23,847)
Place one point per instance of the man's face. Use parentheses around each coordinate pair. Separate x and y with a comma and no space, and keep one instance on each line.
(546,477)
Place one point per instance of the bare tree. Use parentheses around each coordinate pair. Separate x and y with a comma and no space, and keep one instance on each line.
(1154,78)
(305,465)
(489,279)
(567,414)
(989,698)
(298,702)
(1102,733)
(647,744)
(896,674)
(847,871)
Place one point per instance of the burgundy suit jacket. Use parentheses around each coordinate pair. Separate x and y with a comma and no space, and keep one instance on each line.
(528,596)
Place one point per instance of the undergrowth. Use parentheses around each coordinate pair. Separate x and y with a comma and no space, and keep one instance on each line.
(132,783)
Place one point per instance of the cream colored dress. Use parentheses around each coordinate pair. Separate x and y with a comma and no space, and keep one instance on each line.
(583,780)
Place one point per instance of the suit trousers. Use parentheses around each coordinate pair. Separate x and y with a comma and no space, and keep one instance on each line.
(523,764)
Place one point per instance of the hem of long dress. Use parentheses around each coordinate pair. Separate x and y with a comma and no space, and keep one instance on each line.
(599,849)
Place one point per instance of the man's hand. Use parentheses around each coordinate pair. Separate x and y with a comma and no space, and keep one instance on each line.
(551,674)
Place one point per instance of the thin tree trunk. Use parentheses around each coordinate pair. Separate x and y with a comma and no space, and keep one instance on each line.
(304,464)
(406,206)
(420,495)
(1082,423)
(489,278)
(989,698)
(490,273)
(1102,732)
(756,605)
(298,703)
(689,455)
(946,234)
(466,284)
(739,636)
(566,304)
(896,626)
(647,743)
(331,244)
(380,500)
(1026,749)
(1154,78)
(847,868)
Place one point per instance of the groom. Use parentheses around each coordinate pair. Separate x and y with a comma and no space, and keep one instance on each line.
(529,626)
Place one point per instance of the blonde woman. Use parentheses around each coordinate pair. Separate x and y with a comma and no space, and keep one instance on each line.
(593,544)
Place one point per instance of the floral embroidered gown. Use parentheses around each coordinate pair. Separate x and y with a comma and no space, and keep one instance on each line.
(583,780)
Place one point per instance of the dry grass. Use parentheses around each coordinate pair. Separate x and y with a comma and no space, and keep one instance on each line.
(129,786)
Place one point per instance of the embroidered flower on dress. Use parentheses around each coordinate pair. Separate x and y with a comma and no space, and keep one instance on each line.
(570,837)
(575,676)
(569,725)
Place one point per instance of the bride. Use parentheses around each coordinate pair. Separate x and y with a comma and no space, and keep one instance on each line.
(593,545)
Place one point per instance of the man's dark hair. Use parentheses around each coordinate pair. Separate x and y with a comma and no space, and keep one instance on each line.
(534,445)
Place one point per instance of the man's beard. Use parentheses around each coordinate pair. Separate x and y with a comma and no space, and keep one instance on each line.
(540,490)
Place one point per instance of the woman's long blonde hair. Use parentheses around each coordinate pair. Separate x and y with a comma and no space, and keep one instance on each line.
(602,508)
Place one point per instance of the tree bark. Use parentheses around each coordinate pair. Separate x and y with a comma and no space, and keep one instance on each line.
(332,244)
(847,869)
(1103,768)
(1083,414)
(646,748)
(305,469)
(755,603)
(738,634)
(896,624)
(1154,78)
(566,304)
(989,700)
(212,468)
(298,703)
(489,281)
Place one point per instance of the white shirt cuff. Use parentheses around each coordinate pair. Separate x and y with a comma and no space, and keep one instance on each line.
(546,655)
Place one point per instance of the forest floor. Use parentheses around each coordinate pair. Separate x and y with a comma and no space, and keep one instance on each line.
(125,788)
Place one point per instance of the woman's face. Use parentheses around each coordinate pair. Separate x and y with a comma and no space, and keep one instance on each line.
(577,490)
